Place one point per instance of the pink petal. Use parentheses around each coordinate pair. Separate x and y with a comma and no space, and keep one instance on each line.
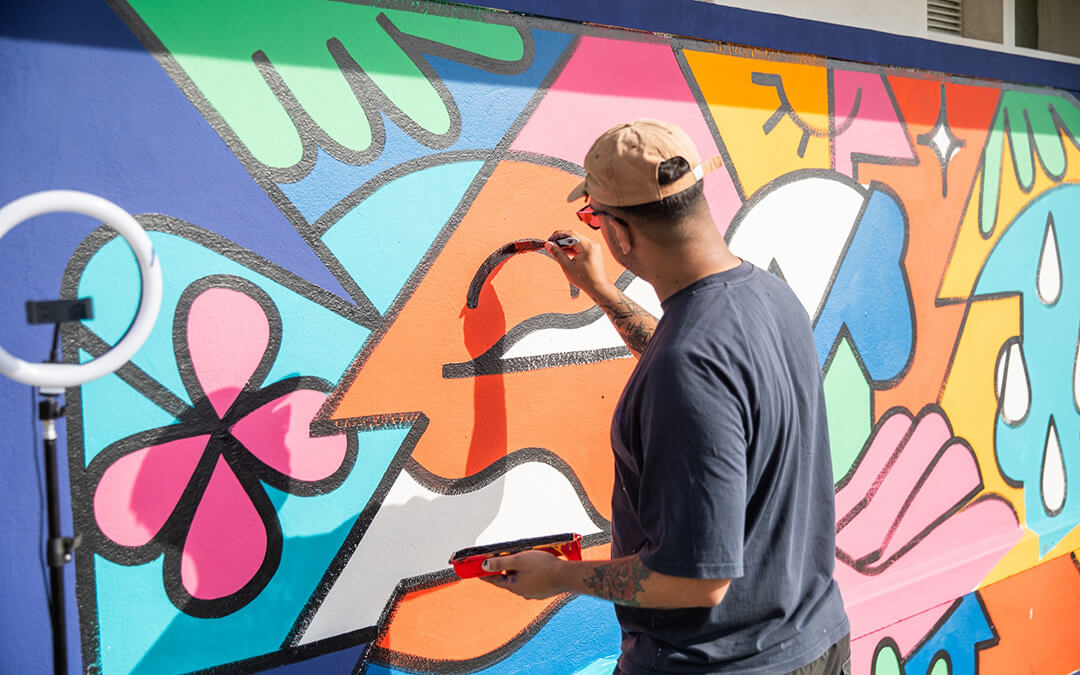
(278,434)
(975,538)
(890,433)
(867,531)
(138,493)
(227,541)
(950,482)
(227,335)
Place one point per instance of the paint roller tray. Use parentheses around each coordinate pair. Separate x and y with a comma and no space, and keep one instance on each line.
(467,562)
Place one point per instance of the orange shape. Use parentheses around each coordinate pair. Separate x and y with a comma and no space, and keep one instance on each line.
(1035,617)
(562,406)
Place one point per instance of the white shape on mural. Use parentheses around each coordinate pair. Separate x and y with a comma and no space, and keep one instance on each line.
(1053,473)
(1048,277)
(804,226)
(531,499)
(599,334)
(1011,382)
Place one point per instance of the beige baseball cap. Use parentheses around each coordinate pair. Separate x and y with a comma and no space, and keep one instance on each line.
(621,166)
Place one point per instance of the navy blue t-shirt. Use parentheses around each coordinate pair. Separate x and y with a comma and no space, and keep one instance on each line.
(722,470)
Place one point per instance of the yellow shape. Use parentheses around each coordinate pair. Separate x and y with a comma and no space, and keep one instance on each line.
(742,108)
(970,249)
(969,397)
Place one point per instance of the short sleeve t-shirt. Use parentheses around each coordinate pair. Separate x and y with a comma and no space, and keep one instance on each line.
(722,470)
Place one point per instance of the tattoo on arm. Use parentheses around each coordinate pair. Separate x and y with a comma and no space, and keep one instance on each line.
(619,581)
(634,323)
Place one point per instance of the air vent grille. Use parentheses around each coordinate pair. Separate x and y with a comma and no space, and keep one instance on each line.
(944,15)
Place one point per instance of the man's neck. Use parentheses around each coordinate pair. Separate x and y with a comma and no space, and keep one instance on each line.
(676,267)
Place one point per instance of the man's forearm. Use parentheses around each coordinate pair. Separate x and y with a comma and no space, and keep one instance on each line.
(627,581)
(634,323)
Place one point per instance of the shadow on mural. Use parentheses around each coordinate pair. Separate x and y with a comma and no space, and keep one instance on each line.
(278,477)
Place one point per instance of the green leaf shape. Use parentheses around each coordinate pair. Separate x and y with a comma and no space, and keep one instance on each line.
(1033,125)
(887,661)
(848,403)
(940,666)
(215,43)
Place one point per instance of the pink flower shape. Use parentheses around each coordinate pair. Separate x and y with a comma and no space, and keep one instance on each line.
(193,491)
(910,535)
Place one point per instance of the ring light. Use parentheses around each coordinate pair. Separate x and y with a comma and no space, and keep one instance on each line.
(62,375)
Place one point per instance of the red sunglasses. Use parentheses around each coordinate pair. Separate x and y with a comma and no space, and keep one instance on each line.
(590,216)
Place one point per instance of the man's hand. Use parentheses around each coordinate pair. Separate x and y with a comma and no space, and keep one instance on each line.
(530,574)
(586,271)
(586,268)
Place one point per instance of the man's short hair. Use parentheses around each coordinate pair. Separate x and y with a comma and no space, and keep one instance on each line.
(673,208)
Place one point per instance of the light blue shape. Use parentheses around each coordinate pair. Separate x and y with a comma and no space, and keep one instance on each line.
(101,399)
(604,666)
(964,633)
(870,293)
(582,632)
(315,340)
(143,632)
(488,103)
(1049,343)
(381,241)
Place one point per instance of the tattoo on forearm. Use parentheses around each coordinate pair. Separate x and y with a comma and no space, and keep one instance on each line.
(619,581)
(633,322)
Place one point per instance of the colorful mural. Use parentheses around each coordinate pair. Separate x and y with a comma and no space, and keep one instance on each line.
(342,388)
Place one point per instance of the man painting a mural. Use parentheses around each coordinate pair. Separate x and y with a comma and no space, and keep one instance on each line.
(723,514)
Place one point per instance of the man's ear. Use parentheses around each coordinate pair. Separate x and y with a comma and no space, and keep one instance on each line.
(624,238)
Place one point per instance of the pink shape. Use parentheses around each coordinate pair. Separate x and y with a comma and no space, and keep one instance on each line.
(138,493)
(278,433)
(607,82)
(227,335)
(876,129)
(893,486)
(886,441)
(975,538)
(950,482)
(227,541)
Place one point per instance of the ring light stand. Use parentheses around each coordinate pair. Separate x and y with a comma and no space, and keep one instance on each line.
(52,378)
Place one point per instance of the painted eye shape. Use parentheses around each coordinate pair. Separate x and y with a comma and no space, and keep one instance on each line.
(1011,383)
(785,109)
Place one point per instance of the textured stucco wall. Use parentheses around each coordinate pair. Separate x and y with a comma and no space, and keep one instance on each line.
(322,414)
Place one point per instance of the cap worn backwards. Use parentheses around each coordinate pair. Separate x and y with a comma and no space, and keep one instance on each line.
(622,166)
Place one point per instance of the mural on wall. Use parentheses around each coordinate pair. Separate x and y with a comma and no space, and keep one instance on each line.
(280,474)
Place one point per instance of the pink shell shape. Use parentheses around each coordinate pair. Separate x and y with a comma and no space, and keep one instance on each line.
(227,335)
(278,433)
(138,493)
(227,541)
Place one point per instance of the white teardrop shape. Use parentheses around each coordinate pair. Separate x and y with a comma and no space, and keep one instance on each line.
(999,371)
(1048,278)
(1014,393)
(1053,473)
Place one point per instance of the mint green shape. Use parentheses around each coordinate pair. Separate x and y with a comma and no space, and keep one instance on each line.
(1048,150)
(848,402)
(887,662)
(213,42)
(939,667)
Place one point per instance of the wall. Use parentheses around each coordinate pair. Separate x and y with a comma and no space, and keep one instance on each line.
(345,385)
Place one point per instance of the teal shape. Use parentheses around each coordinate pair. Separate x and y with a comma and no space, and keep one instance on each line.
(101,399)
(316,341)
(141,631)
(382,240)
(1049,336)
